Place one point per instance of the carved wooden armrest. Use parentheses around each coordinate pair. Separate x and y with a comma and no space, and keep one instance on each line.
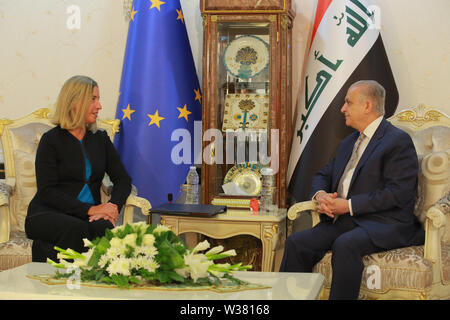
(140,203)
(297,209)
(435,166)
(134,201)
(434,228)
(436,213)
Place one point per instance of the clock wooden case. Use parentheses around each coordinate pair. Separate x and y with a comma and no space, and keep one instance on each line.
(247,53)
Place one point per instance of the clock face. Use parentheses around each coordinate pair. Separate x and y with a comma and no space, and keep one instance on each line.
(246,111)
(246,56)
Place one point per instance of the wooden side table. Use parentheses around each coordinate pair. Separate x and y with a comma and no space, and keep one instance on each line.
(269,228)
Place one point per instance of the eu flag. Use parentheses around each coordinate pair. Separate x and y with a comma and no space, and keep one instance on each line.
(159,93)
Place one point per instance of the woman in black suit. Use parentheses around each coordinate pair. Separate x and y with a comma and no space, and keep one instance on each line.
(71,161)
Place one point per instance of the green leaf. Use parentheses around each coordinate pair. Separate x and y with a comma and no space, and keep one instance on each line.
(218,256)
(103,245)
(59,275)
(240,267)
(96,240)
(134,279)
(127,230)
(107,280)
(163,276)
(233,279)
(139,239)
(56,265)
(204,281)
(150,229)
(175,276)
(98,275)
(168,258)
(108,234)
(99,250)
(182,250)
(130,251)
(215,280)
(120,280)
(147,275)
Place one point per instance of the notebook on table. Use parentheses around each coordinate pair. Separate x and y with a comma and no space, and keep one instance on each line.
(193,210)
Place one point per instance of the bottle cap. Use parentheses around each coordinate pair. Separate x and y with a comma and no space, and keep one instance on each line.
(193,167)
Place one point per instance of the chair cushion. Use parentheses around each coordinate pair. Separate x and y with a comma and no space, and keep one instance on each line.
(16,251)
(400,268)
(25,188)
(25,140)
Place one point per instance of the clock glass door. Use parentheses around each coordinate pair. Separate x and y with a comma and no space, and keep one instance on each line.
(243,67)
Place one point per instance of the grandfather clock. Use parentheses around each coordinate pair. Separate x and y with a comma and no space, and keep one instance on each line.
(247,94)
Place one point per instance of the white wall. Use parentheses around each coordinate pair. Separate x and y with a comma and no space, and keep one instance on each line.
(38,52)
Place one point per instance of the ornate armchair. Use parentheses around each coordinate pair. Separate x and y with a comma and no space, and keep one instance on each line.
(419,272)
(20,139)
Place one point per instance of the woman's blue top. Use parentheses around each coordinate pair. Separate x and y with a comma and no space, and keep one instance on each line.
(85,194)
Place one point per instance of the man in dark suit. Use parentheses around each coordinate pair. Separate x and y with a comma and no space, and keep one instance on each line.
(366,196)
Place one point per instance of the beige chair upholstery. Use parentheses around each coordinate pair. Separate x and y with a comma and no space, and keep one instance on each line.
(20,139)
(420,272)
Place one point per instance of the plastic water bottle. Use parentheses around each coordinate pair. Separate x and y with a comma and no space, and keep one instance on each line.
(267,201)
(192,194)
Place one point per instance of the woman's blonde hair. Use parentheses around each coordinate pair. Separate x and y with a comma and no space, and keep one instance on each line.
(73,103)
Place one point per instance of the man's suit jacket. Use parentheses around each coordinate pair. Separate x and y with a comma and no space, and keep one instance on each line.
(383,188)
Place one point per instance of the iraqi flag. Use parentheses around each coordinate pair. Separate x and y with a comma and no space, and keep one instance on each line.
(346,47)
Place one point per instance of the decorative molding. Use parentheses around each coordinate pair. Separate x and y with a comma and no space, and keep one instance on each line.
(42,113)
(270,231)
(419,116)
(114,123)
(205,20)
(285,21)
(3,123)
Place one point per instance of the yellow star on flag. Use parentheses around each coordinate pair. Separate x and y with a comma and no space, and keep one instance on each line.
(180,15)
(133,13)
(155,119)
(198,96)
(156,4)
(127,112)
(184,112)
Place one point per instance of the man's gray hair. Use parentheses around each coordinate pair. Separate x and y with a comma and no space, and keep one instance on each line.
(374,91)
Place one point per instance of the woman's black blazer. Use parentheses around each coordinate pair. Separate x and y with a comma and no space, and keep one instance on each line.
(60,172)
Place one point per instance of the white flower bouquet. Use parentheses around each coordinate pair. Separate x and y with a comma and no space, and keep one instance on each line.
(140,254)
